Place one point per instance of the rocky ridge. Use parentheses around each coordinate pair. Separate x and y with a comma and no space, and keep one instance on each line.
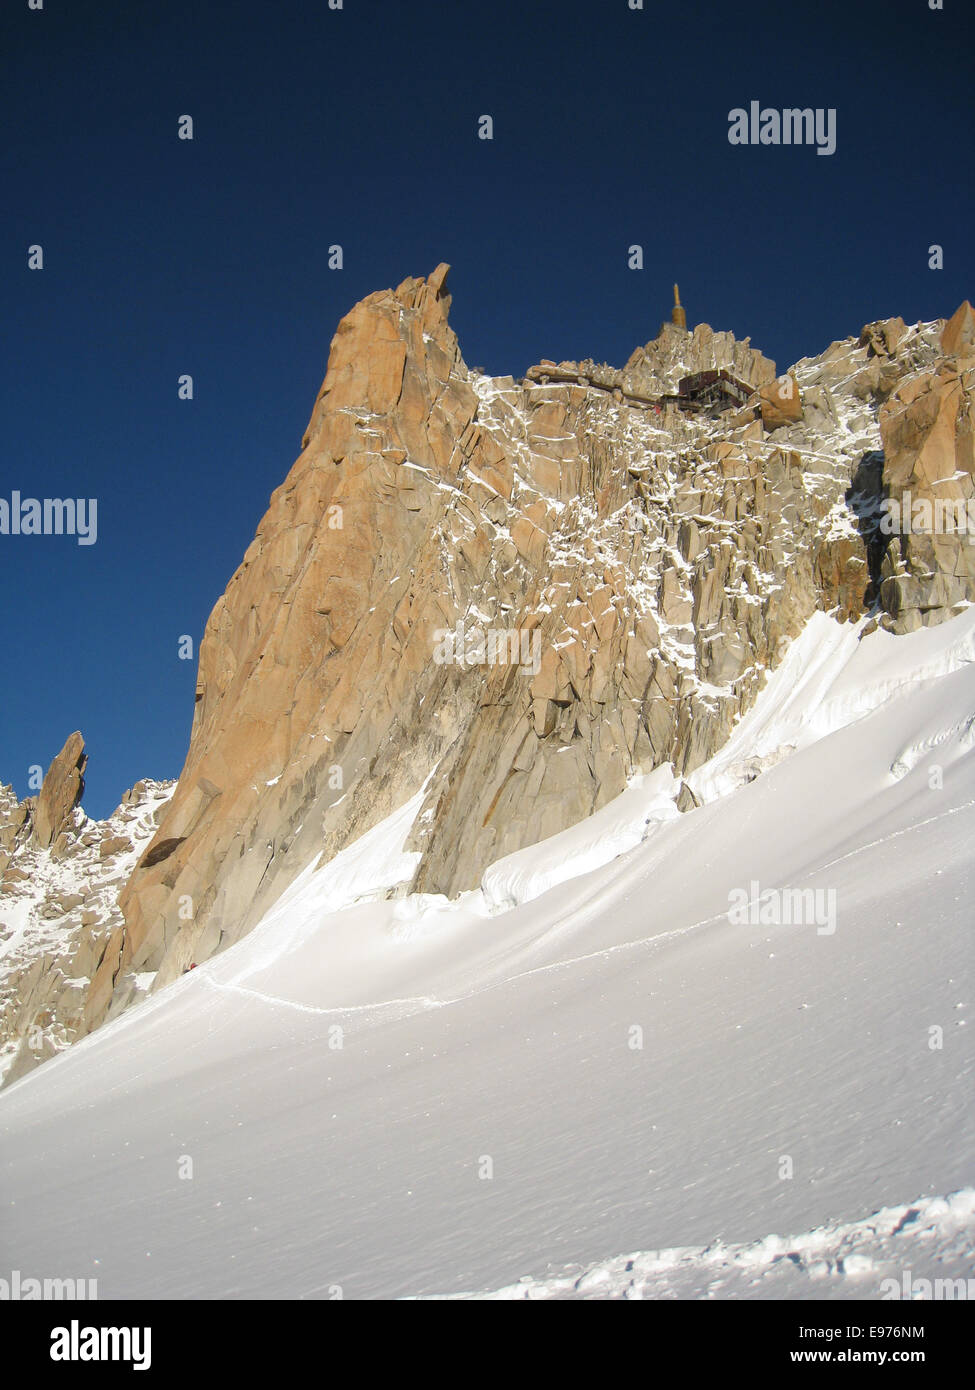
(515,595)
(59,904)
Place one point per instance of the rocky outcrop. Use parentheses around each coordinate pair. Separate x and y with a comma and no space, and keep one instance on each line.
(14,825)
(58,909)
(928,427)
(656,368)
(780,402)
(884,337)
(958,338)
(320,652)
(60,792)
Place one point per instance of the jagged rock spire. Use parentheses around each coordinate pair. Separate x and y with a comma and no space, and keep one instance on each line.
(62,789)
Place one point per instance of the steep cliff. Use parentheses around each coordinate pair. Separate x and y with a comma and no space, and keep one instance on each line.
(514,595)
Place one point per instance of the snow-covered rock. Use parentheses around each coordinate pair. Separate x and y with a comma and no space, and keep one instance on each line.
(59,905)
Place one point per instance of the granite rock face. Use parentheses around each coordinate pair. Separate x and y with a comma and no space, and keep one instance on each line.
(958,338)
(506,597)
(60,792)
(657,367)
(928,430)
(780,402)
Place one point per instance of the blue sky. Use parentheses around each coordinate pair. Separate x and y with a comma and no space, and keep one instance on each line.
(359,127)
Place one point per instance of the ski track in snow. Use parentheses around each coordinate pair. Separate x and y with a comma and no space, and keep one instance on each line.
(414,1005)
(418,1003)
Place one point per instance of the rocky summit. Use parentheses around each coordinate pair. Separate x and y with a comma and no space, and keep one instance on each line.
(499,600)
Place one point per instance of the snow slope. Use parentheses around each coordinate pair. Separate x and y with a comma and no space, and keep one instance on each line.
(394,1097)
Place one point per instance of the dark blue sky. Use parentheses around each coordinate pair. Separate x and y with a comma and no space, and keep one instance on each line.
(358,127)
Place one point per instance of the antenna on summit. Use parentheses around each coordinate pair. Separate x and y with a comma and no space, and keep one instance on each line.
(678,317)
